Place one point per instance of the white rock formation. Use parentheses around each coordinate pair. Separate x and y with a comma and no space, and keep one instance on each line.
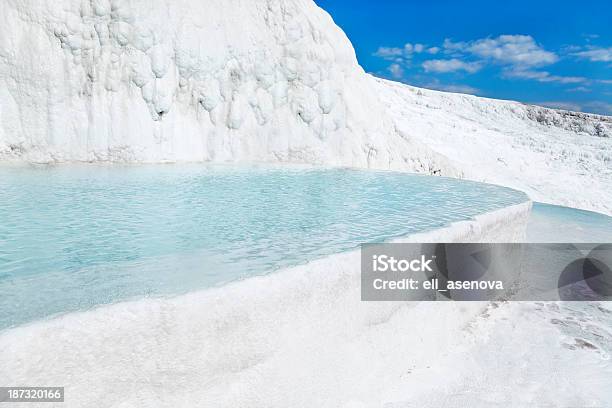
(554,156)
(184,80)
(299,337)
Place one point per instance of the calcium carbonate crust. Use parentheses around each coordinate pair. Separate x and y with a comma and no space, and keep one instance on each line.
(179,80)
(554,156)
(297,337)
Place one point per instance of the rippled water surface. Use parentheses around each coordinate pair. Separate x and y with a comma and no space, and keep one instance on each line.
(552,223)
(76,236)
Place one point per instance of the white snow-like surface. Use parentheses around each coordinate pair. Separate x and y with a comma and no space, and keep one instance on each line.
(296,338)
(277,81)
(556,157)
(302,338)
(185,80)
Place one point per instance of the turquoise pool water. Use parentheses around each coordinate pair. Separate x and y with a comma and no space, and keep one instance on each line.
(552,223)
(72,237)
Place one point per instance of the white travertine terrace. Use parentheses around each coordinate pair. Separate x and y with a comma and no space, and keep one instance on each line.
(297,337)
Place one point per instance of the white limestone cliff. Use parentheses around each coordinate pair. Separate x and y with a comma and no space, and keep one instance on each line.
(179,80)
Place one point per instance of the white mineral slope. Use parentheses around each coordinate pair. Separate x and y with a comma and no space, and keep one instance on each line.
(555,156)
(299,337)
(185,80)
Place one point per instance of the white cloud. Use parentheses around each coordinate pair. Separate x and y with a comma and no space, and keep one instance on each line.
(596,54)
(451,65)
(414,48)
(388,52)
(570,49)
(519,56)
(397,54)
(579,89)
(396,71)
(457,88)
(449,45)
(542,76)
(518,50)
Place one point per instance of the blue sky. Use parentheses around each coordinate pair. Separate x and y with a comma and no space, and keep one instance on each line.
(556,54)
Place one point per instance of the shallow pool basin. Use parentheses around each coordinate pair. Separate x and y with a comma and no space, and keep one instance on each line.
(72,237)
